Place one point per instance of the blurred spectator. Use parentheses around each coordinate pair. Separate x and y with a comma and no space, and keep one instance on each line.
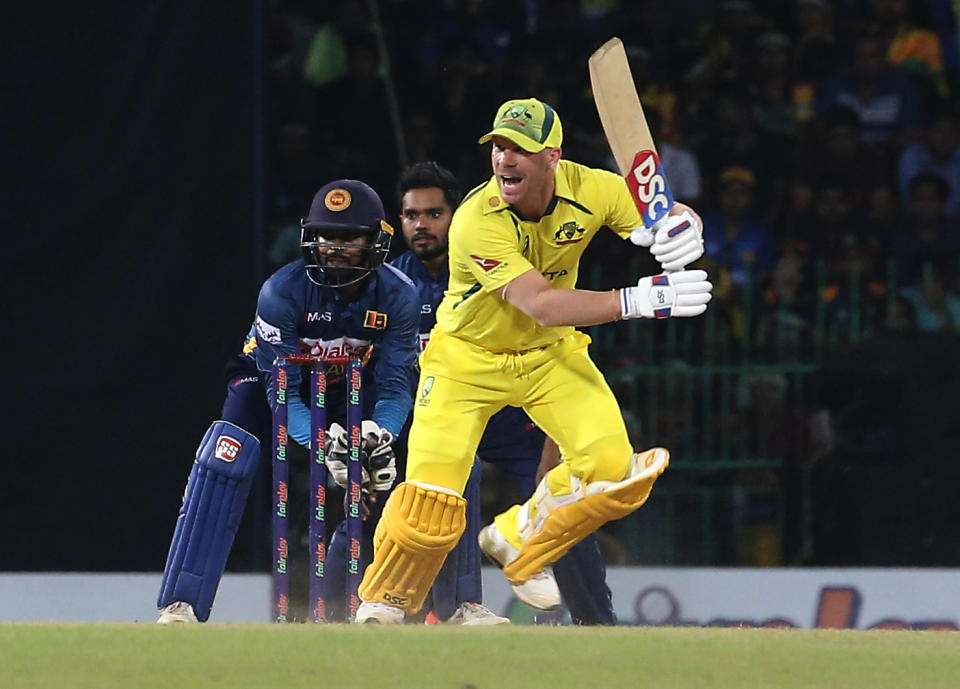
(925,231)
(883,97)
(296,168)
(771,90)
(735,241)
(915,49)
(353,121)
(835,154)
(934,298)
(725,43)
(679,163)
(938,152)
(736,141)
(327,58)
(817,51)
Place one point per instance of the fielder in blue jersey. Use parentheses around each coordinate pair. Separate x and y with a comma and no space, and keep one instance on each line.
(339,299)
(428,196)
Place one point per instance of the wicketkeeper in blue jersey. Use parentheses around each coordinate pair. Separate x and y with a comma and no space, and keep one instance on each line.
(340,299)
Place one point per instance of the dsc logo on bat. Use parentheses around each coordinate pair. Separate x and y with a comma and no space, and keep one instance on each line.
(649,187)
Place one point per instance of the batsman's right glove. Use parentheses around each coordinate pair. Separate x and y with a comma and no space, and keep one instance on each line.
(676,241)
(337,449)
(678,295)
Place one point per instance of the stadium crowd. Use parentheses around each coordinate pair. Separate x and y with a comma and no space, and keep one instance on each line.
(819,139)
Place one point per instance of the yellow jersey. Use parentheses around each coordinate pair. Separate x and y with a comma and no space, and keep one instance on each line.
(490,245)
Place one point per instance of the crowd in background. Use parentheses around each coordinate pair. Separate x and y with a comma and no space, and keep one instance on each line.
(818,138)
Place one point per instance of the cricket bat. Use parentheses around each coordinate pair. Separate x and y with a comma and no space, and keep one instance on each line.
(625,127)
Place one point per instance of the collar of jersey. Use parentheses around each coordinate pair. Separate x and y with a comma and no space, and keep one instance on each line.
(561,190)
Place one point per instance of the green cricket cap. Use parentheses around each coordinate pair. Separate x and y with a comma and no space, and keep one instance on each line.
(527,122)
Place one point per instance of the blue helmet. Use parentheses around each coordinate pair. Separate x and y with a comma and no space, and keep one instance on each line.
(343,209)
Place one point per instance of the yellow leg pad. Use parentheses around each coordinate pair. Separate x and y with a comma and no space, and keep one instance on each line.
(566,526)
(417,529)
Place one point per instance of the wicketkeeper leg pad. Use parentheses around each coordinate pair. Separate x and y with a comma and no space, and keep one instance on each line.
(419,526)
(213,503)
(550,524)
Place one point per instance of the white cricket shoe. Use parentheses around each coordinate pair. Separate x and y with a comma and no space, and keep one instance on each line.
(379,613)
(475,615)
(177,613)
(539,591)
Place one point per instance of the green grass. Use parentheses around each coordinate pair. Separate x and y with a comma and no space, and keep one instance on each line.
(76,656)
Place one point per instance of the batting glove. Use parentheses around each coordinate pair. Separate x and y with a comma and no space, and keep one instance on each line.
(678,295)
(337,451)
(676,241)
(379,459)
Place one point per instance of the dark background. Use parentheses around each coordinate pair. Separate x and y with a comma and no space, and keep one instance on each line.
(130,221)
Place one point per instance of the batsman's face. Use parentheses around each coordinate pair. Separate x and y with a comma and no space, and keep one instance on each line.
(521,175)
(425,220)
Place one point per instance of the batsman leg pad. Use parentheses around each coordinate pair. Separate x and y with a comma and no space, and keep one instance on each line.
(551,524)
(213,503)
(419,526)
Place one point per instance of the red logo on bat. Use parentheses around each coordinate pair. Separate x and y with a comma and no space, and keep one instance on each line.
(487,264)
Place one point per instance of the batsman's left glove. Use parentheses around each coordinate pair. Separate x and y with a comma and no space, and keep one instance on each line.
(379,459)
(676,241)
(668,295)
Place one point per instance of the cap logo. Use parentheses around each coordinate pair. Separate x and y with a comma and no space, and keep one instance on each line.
(337,199)
(513,114)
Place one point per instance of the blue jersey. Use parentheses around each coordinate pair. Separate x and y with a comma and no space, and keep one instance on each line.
(510,433)
(297,316)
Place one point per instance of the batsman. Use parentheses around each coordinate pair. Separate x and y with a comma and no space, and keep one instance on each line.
(505,335)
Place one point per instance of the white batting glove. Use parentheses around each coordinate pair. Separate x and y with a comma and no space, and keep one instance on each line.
(681,294)
(337,450)
(379,459)
(676,241)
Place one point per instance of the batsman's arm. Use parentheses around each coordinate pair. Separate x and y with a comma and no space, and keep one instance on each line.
(681,294)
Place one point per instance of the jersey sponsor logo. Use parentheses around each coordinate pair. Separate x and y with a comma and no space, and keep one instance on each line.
(246,379)
(314,316)
(340,347)
(375,320)
(424,340)
(569,233)
(426,308)
(227,448)
(337,199)
(487,264)
(268,332)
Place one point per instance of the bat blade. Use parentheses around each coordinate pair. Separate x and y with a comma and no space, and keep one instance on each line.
(627,132)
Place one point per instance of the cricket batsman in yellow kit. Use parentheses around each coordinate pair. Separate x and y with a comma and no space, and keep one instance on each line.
(505,336)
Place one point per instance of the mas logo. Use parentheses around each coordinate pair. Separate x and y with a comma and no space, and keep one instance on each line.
(569,233)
